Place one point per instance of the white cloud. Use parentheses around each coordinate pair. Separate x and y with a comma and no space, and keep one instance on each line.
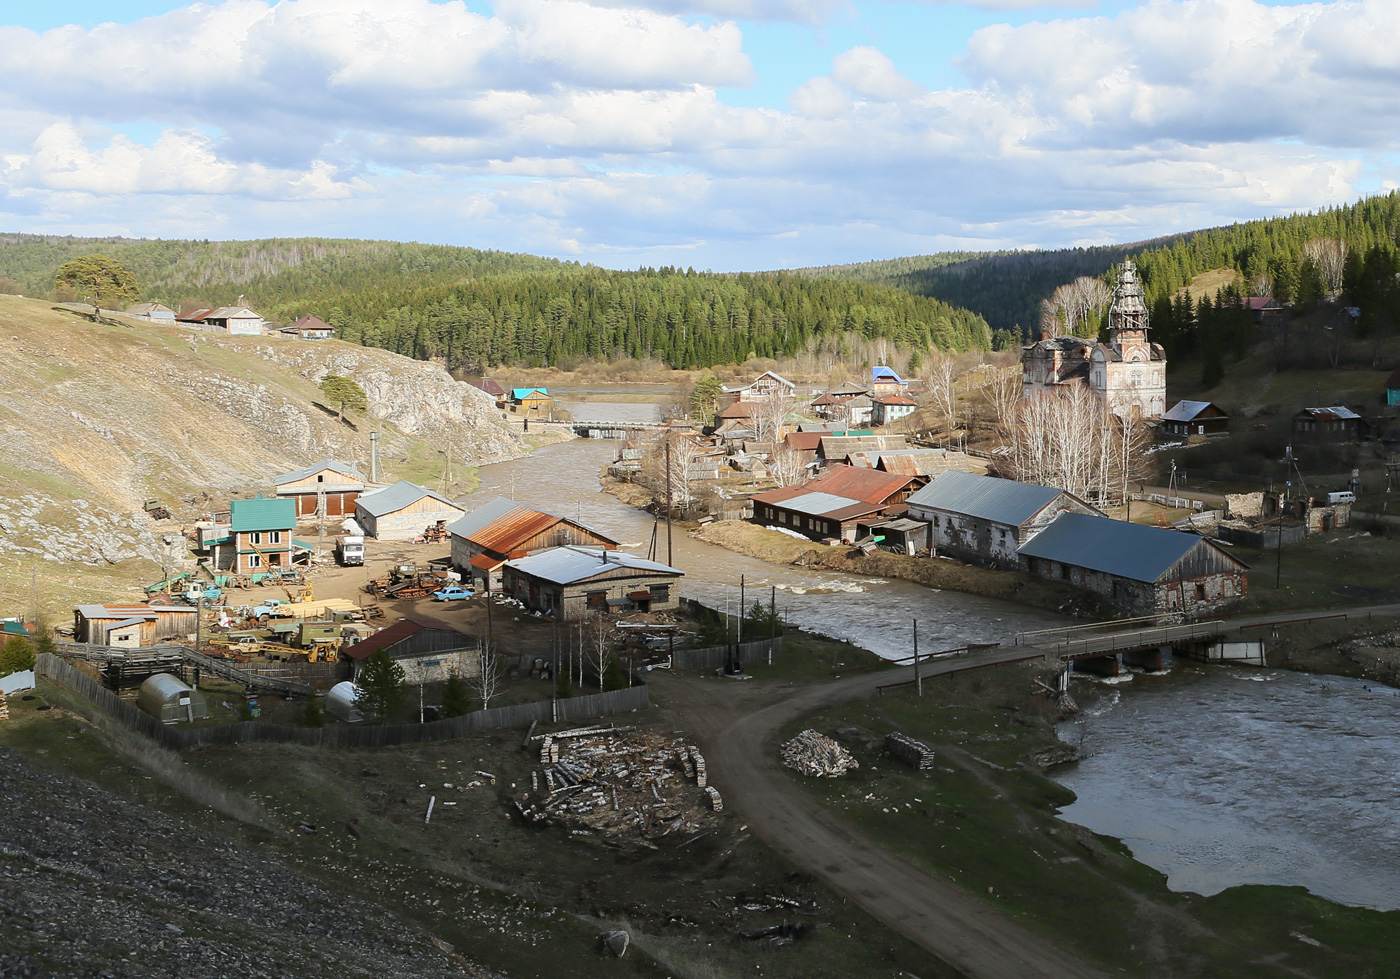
(871,74)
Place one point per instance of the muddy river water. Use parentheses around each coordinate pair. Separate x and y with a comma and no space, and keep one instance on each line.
(1215,776)
(1219,776)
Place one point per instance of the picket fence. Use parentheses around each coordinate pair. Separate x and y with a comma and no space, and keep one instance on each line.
(361,736)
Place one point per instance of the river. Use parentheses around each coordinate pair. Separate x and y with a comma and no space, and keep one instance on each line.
(1220,776)
(871,612)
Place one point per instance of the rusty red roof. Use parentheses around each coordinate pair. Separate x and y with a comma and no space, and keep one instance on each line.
(866,485)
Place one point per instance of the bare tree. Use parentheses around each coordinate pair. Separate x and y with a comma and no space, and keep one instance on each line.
(785,465)
(1075,306)
(1072,441)
(769,416)
(1261,285)
(1329,255)
(942,381)
(681,459)
(597,649)
(1001,394)
(486,684)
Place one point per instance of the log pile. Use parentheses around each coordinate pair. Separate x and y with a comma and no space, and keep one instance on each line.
(4,709)
(904,748)
(811,753)
(632,786)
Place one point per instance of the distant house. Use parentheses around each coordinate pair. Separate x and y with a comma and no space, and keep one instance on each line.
(1196,418)
(1266,309)
(765,387)
(497,393)
(338,483)
(570,582)
(986,520)
(403,511)
(1141,570)
(839,448)
(889,408)
(494,533)
(310,328)
(136,624)
(855,411)
(926,463)
(831,505)
(531,399)
(262,533)
(427,651)
(884,380)
(1392,389)
(155,312)
(1337,423)
(238,320)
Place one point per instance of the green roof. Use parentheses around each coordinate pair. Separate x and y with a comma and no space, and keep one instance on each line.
(261,513)
(13,629)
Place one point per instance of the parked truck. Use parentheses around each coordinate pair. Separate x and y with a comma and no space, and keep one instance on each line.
(350,550)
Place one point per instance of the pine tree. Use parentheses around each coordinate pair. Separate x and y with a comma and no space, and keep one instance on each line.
(382,687)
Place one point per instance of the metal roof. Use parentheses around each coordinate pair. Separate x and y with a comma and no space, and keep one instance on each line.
(985,497)
(817,504)
(343,468)
(569,564)
(475,520)
(1185,411)
(1114,547)
(231,313)
(865,485)
(263,513)
(127,611)
(396,497)
(885,374)
(308,323)
(1334,413)
(520,394)
(503,525)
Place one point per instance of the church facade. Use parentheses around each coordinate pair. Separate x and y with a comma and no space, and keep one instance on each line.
(1128,373)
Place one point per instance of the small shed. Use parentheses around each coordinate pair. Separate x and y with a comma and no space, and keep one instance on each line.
(1188,418)
(171,700)
(341,703)
(1392,389)
(155,312)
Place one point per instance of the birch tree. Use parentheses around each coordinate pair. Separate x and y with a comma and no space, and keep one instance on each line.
(769,416)
(1329,256)
(785,465)
(942,381)
(486,684)
(1072,441)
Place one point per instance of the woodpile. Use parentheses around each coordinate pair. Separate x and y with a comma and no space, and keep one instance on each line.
(904,748)
(619,785)
(4,709)
(811,753)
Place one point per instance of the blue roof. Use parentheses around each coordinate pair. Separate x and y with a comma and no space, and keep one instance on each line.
(986,497)
(1127,550)
(262,513)
(520,394)
(885,374)
(569,564)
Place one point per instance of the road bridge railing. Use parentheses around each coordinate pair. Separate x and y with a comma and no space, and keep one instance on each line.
(1117,642)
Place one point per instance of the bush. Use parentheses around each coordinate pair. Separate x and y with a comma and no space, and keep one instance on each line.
(16,656)
(311,713)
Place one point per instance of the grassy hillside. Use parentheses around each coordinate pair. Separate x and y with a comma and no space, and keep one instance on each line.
(98,418)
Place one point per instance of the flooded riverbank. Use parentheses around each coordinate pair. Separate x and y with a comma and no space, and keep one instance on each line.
(1226,776)
(872,612)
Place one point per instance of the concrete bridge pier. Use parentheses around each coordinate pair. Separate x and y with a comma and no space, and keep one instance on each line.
(1106,665)
(1147,659)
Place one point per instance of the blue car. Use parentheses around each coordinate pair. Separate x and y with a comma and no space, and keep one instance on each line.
(451,593)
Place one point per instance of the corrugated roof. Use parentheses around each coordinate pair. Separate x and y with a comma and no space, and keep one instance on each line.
(840,446)
(307,323)
(128,611)
(885,374)
(816,504)
(489,386)
(520,394)
(475,520)
(865,485)
(1115,547)
(570,564)
(343,468)
(401,630)
(1334,413)
(231,312)
(263,513)
(985,497)
(1185,411)
(396,497)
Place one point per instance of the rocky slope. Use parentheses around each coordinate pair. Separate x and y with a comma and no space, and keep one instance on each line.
(98,418)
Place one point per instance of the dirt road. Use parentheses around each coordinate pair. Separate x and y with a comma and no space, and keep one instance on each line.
(736,724)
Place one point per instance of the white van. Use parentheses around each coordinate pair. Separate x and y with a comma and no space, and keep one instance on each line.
(1345,497)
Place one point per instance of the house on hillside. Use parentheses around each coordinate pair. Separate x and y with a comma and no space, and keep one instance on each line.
(310,328)
(889,408)
(261,531)
(765,387)
(497,393)
(884,380)
(155,312)
(571,582)
(338,484)
(1266,309)
(1188,418)
(428,651)
(1337,423)
(1141,570)
(986,520)
(404,511)
(831,505)
(494,533)
(237,320)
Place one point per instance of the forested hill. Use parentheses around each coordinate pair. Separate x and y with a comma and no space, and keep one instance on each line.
(479,309)
(1005,287)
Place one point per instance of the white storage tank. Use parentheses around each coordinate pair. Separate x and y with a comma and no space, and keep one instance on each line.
(340,702)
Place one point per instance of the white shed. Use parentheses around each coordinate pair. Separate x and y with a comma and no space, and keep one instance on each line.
(403,511)
(340,702)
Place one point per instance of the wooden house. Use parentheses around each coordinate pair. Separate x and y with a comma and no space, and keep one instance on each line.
(339,484)
(884,381)
(1335,424)
(310,328)
(494,533)
(404,511)
(1266,309)
(532,400)
(985,520)
(261,530)
(238,320)
(1187,418)
(428,652)
(155,312)
(133,625)
(832,505)
(766,387)
(888,408)
(571,582)
(494,390)
(1141,570)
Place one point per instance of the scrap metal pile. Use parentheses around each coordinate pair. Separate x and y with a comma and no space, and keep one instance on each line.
(619,783)
(817,755)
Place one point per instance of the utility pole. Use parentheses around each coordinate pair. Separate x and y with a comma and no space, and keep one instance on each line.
(772,620)
(743,609)
(918,678)
(374,456)
(669,559)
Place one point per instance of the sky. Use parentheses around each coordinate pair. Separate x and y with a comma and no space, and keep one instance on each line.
(713,134)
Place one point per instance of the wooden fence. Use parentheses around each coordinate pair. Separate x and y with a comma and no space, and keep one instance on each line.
(714,657)
(365,736)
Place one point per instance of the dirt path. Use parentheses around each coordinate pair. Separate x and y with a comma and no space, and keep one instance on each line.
(737,723)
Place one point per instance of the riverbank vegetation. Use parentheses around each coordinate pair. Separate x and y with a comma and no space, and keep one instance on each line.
(985,819)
